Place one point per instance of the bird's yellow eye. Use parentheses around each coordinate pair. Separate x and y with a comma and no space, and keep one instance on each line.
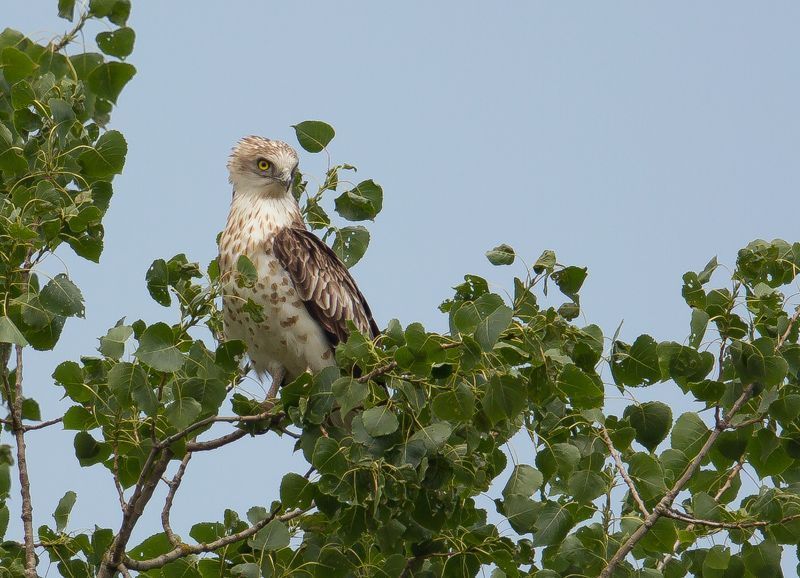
(263,164)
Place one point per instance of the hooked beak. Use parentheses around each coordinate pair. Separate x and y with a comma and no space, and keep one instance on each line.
(287,180)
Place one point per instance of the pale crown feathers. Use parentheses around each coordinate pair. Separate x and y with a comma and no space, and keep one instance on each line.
(258,165)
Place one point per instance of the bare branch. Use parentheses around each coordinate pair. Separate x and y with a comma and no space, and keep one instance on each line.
(173,489)
(22,462)
(216,443)
(266,415)
(666,502)
(623,472)
(43,424)
(675,515)
(145,487)
(737,467)
(186,549)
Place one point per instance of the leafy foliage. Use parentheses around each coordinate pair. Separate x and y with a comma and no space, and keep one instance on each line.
(402,452)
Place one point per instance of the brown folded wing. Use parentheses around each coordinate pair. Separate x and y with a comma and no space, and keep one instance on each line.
(324,284)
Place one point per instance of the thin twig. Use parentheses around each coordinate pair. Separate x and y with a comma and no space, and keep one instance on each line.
(124,571)
(186,549)
(666,502)
(393,364)
(216,443)
(173,489)
(43,424)
(623,472)
(729,480)
(675,515)
(168,441)
(70,36)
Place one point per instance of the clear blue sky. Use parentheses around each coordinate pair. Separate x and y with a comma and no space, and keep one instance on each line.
(636,138)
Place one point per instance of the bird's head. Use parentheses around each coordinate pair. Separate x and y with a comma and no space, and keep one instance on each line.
(262,166)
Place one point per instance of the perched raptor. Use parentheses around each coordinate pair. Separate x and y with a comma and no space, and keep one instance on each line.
(306,293)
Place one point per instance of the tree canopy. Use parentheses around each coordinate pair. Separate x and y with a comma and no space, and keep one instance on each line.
(403,452)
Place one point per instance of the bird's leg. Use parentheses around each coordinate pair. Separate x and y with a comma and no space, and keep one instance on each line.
(277,380)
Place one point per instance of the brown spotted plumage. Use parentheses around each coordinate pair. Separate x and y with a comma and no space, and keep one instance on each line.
(304,291)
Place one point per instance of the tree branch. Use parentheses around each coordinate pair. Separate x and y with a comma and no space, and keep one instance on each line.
(186,549)
(43,424)
(274,417)
(145,487)
(623,472)
(22,463)
(675,515)
(666,502)
(173,489)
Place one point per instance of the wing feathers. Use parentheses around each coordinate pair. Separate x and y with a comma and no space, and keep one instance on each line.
(323,283)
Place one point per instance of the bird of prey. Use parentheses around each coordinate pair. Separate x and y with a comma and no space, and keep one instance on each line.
(305,292)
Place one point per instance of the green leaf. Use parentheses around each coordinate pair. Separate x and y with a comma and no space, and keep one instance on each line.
(349,393)
(647,473)
(70,375)
(157,348)
(652,421)
(124,379)
(107,157)
(552,524)
(763,559)
(246,570)
(489,329)
(524,481)
(117,43)
(157,279)
(66,9)
(205,532)
(521,512)
(560,457)
(698,327)
(328,457)
(182,412)
(636,364)
(379,421)
(313,135)
(61,515)
(155,545)
(9,332)
(363,202)
(570,280)
(108,79)
(273,536)
(433,436)
(77,418)
(457,405)
(30,410)
(15,64)
(582,391)
(586,485)
(545,262)
(62,297)
(501,255)
(22,95)
(350,244)
(247,270)
(505,398)
(689,434)
(296,491)
(113,344)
